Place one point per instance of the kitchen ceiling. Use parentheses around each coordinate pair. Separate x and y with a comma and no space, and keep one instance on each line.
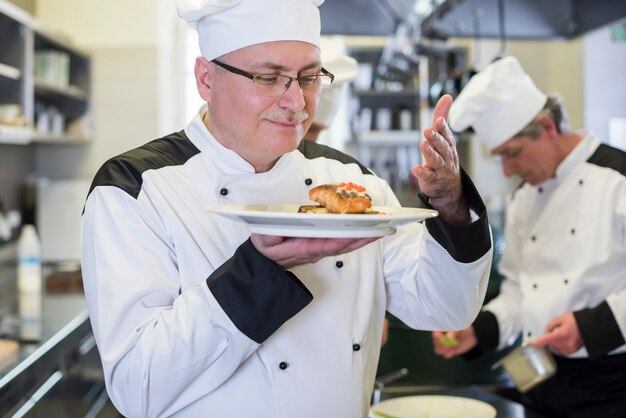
(523,19)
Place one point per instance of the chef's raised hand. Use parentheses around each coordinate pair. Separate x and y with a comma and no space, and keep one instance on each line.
(450,344)
(439,177)
(291,252)
(561,335)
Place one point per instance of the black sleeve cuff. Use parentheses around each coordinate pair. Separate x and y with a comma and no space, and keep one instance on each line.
(465,243)
(599,330)
(256,294)
(487,334)
(487,331)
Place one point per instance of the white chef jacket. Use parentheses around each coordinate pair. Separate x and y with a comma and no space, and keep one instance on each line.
(191,321)
(566,251)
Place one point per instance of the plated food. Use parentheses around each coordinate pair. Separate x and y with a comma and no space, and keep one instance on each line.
(338,198)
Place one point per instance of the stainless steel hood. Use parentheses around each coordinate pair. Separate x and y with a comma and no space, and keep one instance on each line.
(523,19)
(363,17)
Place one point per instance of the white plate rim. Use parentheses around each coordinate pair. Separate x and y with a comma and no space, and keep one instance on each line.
(284,220)
(481,406)
(290,211)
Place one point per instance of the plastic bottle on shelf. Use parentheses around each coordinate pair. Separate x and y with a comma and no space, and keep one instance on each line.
(5,229)
(29,284)
(29,260)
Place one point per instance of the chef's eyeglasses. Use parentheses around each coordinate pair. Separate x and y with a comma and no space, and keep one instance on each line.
(274,85)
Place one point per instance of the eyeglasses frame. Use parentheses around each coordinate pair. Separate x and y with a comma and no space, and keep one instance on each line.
(253,76)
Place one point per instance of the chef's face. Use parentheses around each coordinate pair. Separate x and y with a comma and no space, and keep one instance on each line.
(532,159)
(258,127)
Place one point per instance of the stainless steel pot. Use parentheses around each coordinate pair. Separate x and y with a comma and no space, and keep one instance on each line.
(528,366)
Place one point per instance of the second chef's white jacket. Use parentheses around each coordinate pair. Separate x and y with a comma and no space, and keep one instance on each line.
(191,321)
(566,251)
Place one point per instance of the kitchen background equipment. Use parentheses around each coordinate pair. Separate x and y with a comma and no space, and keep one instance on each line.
(59,205)
(381,381)
(528,366)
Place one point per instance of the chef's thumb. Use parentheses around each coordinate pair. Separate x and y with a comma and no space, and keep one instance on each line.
(540,341)
(269,240)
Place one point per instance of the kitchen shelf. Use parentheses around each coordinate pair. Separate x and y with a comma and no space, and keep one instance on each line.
(59,139)
(390,138)
(72,92)
(47,77)
(15,135)
(10,72)
(410,93)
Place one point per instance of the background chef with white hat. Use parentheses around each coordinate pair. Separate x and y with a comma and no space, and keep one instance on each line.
(564,261)
(195,316)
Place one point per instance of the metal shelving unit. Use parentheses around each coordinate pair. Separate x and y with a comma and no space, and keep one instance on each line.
(54,99)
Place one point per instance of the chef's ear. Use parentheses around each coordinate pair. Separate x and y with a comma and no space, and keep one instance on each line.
(203,73)
(547,124)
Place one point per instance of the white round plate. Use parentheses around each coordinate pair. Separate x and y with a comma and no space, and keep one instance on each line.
(284,220)
(432,407)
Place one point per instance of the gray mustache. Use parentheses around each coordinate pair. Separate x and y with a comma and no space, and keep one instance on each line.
(278,116)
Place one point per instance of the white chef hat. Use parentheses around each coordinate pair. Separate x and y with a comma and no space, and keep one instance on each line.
(344,68)
(497,103)
(227,25)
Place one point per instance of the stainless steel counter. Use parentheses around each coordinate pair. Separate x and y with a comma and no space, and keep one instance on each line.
(57,374)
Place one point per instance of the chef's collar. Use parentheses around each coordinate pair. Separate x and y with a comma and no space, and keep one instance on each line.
(581,153)
(229,161)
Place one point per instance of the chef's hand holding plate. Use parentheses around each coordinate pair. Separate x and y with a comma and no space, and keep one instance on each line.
(561,335)
(292,252)
(439,177)
(450,344)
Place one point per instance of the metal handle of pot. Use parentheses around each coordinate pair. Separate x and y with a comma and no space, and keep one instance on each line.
(380,382)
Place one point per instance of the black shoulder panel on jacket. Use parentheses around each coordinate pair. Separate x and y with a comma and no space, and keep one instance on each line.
(609,157)
(125,170)
(311,150)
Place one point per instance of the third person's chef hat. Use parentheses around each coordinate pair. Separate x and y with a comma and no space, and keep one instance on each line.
(227,25)
(497,103)
(344,68)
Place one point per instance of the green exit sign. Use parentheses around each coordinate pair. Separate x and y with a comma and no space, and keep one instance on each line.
(618,32)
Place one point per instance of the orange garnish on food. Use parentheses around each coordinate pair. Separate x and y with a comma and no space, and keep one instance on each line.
(351,186)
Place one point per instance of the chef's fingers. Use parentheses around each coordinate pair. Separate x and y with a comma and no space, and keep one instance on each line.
(440,118)
(550,337)
(441,146)
(442,127)
(442,108)
(433,159)
(553,324)
(424,175)
(291,252)
(437,335)
(269,240)
(539,342)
